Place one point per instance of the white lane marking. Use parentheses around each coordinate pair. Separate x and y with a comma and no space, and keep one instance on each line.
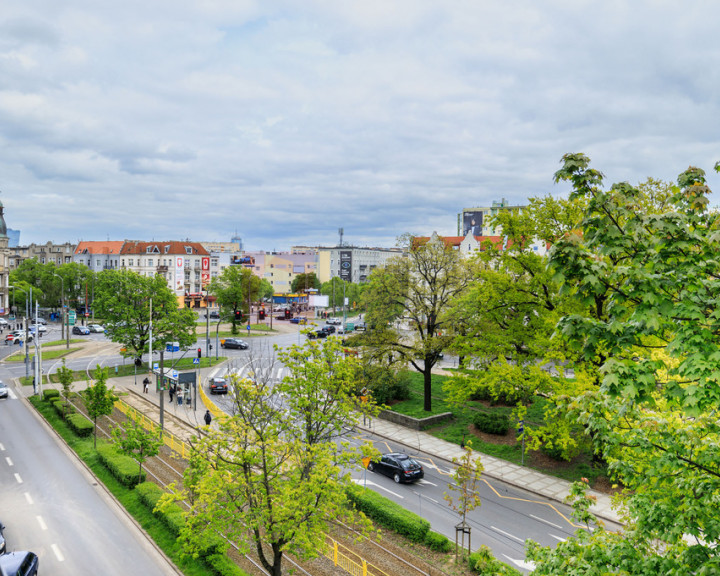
(2,448)
(558,538)
(507,534)
(521,563)
(57,552)
(362,482)
(28,498)
(40,520)
(12,395)
(545,521)
(8,460)
(423,481)
(19,480)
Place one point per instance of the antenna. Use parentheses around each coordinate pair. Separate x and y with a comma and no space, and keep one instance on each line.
(340,231)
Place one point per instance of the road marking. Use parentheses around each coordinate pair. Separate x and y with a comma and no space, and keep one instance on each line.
(521,563)
(423,481)
(545,521)
(8,460)
(57,552)
(507,534)
(2,447)
(28,498)
(371,483)
(558,538)
(40,520)
(19,480)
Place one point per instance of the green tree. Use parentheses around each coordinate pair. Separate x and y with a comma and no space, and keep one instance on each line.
(66,377)
(654,416)
(408,303)
(123,299)
(272,480)
(99,399)
(305,281)
(140,444)
(465,482)
(235,288)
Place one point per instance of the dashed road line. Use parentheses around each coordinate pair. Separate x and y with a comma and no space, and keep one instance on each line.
(57,552)
(19,480)
(41,522)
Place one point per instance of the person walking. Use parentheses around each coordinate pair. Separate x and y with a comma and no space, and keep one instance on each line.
(171,392)
(208,418)
(146,385)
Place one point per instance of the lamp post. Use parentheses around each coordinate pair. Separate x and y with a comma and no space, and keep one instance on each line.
(64,331)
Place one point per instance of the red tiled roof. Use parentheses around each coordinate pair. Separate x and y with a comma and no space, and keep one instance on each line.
(99,247)
(173,247)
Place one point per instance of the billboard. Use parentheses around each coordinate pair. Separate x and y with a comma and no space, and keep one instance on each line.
(179,274)
(346,265)
(472,221)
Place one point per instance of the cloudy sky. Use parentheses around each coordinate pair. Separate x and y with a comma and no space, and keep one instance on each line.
(285,120)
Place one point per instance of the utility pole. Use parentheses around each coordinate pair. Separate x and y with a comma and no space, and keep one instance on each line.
(207,325)
(161,388)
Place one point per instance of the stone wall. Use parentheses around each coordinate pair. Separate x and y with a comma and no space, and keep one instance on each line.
(414,423)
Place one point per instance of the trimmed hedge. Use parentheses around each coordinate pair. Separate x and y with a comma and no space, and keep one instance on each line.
(51,394)
(492,423)
(484,563)
(173,517)
(124,468)
(438,542)
(63,408)
(80,425)
(388,513)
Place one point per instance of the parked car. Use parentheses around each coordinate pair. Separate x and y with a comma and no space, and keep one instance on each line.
(234,343)
(400,467)
(19,564)
(3,548)
(333,321)
(96,328)
(4,393)
(218,386)
(82,330)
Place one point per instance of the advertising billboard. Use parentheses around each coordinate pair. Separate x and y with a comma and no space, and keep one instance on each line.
(346,265)
(179,274)
(472,221)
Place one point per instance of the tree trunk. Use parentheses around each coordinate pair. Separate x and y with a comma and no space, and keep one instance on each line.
(427,379)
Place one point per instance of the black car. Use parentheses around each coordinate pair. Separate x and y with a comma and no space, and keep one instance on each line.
(19,564)
(218,386)
(317,334)
(328,329)
(399,467)
(234,343)
(2,539)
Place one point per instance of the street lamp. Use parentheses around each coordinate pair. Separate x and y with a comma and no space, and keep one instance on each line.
(65,330)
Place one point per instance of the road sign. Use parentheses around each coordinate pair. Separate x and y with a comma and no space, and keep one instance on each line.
(521,426)
(366,461)
(196,360)
(72,317)
(248,327)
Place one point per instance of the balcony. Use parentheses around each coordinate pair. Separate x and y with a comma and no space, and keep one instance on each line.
(162,268)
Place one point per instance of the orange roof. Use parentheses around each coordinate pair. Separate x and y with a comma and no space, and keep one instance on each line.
(100,247)
(171,247)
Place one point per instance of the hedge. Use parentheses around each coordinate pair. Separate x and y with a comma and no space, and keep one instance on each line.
(80,425)
(484,563)
(63,408)
(51,394)
(492,423)
(124,468)
(388,513)
(438,542)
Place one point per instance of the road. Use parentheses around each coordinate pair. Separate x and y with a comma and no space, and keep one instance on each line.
(52,506)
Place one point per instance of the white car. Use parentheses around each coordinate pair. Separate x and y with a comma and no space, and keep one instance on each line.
(97,328)
(3,322)
(41,328)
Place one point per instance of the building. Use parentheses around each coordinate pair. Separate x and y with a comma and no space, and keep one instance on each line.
(469,244)
(4,265)
(476,220)
(44,253)
(99,255)
(352,264)
(280,268)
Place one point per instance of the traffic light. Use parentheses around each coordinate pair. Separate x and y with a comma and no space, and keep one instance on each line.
(199,352)
(238,315)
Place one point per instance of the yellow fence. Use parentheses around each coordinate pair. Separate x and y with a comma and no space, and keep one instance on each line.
(169,439)
(333,550)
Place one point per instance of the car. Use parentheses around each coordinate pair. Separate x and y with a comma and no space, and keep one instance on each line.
(39,320)
(298,320)
(317,334)
(214,315)
(333,321)
(19,564)
(3,322)
(3,548)
(218,386)
(398,466)
(82,330)
(328,329)
(360,327)
(96,328)
(4,393)
(18,336)
(39,328)
(234,343)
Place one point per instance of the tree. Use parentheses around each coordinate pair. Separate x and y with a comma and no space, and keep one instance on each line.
(273,477)
(235,288)
(654,415)
(99,399)
(66,377)
(465,482)
(408,304)
(305,281)
(123,299)
(140,444)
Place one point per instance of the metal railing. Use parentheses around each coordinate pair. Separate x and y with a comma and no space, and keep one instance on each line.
(168,438)
(332,550)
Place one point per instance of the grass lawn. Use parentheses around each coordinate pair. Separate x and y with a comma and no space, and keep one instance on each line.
(63,342)
(46,355)
(128,498)
(461,428)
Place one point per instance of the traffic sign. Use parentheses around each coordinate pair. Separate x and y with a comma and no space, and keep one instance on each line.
(72,317)
(196,360)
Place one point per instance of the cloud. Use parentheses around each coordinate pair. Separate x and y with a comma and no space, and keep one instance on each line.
(286,120)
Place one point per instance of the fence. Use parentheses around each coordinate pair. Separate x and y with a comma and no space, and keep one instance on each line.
(168,438)
(331,549)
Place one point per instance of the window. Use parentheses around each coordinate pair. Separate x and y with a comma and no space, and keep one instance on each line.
(130,261)
(148,250)
(188,250)
(150,261)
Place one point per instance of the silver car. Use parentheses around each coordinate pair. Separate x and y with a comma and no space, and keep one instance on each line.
(4,392)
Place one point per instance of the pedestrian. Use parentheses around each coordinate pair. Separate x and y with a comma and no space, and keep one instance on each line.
(208,418)
(180,396)
(171,392)
(146,385)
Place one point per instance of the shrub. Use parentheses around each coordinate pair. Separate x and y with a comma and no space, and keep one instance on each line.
(484,563)
(51,394)
(492,423)
(63,408)
(384,383)
(437,542)
(122,467)
(80,425)
(388,513)
(173,516)
(224,566)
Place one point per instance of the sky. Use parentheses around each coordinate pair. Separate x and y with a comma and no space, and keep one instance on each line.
(284,121)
